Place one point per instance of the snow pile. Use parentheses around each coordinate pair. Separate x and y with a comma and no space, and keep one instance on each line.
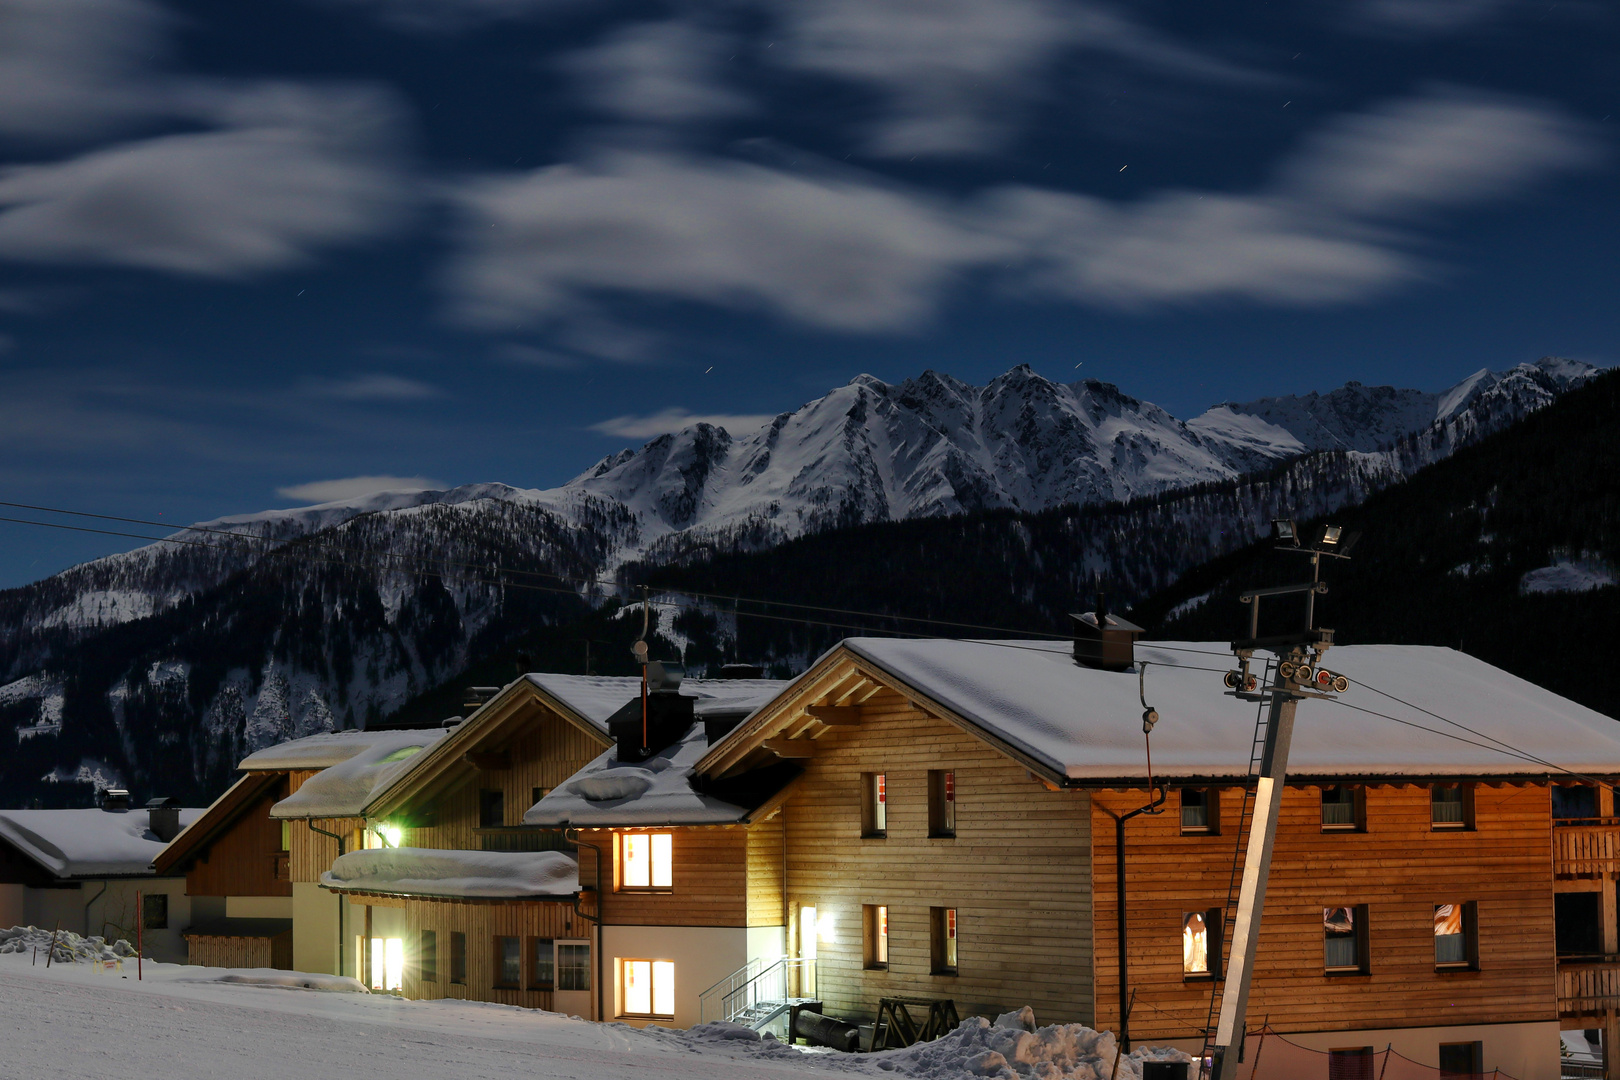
(292,980)
(70,947)
(320,751)
(1012,1048)
(344,789)
(429,872)
(1568,575)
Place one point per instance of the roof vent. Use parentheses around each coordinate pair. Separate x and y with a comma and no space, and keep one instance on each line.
(1104,641)
(114,800)
(741,671)
(163,818)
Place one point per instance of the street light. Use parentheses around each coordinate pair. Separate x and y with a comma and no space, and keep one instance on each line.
(1283,529)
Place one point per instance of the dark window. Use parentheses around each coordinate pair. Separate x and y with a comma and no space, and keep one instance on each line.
(874,805)
(536,794)
(1574,802)
(573,966)
(458,957)
(1201,943)
(155,911)
(427,956)
(1344,940)
(1465,1059)
(941,802)
(1456,939)
(1200,812)
(542,964)
(942,940)
(1342,808)
(875,936)
(508,962)
(1578,923)
(1452,806)
(491,809)
(1353,1064)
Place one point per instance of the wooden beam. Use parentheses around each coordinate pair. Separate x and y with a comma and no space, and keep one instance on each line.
(836,715)
(492,761)
(791,748)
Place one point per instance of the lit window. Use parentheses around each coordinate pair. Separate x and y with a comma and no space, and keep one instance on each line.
(1451,805)
(1199,813)
(1344,939)
(286,836)
(1195,943)
(649,987)
(876,918)
(941,803)
(508,962)
(1454,940)
(387,963)
(573,965)
(943,940)
(874,805)
(808,932)
(646,860)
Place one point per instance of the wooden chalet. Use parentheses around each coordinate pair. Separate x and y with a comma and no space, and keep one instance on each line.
(949,831)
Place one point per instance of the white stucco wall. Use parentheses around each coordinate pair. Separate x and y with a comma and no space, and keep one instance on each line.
(703,955)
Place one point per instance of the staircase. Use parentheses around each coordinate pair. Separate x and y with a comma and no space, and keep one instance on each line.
(759,991)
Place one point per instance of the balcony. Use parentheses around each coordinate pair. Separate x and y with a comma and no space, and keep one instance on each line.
(1588,987)
(1586,848)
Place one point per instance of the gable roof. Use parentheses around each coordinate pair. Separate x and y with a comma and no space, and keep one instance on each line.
(1081,725)
(86,843)
(344,789)
(215,820)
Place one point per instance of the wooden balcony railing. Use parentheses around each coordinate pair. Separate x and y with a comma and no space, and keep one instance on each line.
(1586,989)
(1588,848)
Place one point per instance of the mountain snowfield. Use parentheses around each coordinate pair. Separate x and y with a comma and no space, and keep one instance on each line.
(184,655)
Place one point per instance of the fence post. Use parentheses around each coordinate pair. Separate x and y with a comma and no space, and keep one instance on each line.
(1388,1049)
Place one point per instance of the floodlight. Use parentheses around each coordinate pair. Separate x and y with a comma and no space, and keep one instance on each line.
(391,834)
(1332,533)
(1283,529)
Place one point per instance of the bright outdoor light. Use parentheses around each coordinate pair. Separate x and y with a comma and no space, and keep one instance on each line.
(391,834)
(394,964)
(1283,529)
(1331,534)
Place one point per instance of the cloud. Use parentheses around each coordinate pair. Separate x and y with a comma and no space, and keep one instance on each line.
(353,487)
(7,343)
(662,423)
(432,16)
(661,72)
(294,168)
(840,251)
(375,388)
(846,251)
(74,67)
(1425,16)
(512,352)
(953,73)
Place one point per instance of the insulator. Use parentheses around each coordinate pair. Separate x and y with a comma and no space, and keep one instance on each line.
(1233,679)
(1324,678)
(1340,683)
(1250,683)
(1286,669)
(1303,673)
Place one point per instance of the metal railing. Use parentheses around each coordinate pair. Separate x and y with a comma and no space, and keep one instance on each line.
(1588,989)
(1586,848)
(758,982)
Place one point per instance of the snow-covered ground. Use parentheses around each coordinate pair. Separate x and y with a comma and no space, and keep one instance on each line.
(190,1023)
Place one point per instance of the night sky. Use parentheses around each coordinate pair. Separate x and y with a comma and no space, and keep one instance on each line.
(251,252)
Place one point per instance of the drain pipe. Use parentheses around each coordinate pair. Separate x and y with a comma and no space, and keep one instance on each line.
(316,828)
(1153,806)
(572,835)
(87,904)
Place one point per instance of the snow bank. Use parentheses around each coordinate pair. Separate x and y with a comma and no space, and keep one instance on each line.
(87,843)
(70,947)
(344,789)
(429,872)
(291,980)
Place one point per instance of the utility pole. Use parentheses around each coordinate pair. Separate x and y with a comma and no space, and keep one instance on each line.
(1297,676)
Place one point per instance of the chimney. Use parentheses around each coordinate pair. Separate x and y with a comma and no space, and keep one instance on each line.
(163,818)
(1104,641)
(476,696)
(669,716)
(114,800)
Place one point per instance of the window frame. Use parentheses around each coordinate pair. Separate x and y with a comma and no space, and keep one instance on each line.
(653,969)
(498,958)
(155,917)
(458,958)
(874,937)
(1470,936)
(532,969)
(874,806)
(1212,812)
(487,798)
(1363,937)
(655,841)
(942,793)
(582,969)
(1467,822)
(944,941)
(1358,802)
(1214,929)
(427,956)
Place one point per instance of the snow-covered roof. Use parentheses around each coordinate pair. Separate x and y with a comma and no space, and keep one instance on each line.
(430,872)
(1086,723)
(597,697)
(87,843)
(344,789)
(324,750)
(657,791)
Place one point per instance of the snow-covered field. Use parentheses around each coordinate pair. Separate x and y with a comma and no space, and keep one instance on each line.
(189,1023)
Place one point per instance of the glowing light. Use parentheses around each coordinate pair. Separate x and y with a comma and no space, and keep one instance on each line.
(392,835)
(826,928)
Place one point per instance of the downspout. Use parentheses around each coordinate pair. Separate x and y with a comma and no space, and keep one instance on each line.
(597,918)
(316,828)
(87,904)
(1151,807)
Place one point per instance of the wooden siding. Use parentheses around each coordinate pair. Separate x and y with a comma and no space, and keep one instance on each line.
(709,880)
(312,853)
(483,923)
(1587,851)
(246,858)
(214,950)
(766,852)
(1399,867)
(1018,871)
